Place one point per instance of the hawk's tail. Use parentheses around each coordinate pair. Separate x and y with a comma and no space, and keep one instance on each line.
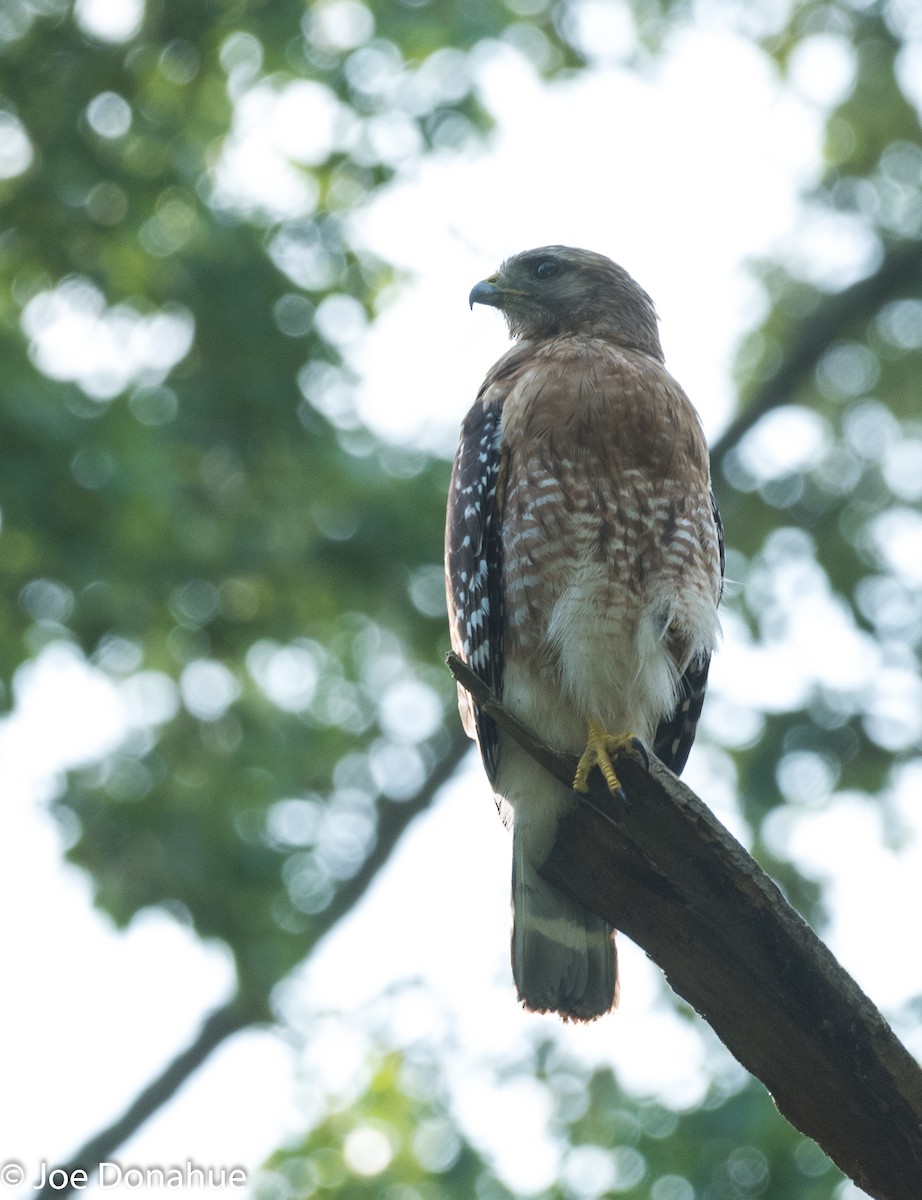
(563,956)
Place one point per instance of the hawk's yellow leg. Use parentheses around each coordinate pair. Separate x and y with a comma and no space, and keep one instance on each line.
(601,748)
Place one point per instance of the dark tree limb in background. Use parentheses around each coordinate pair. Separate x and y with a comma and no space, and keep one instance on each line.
(900,269)
(237,1015)
(219,1025)
(664,871)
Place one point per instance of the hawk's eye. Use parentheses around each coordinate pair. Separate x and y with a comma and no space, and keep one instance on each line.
(547,268)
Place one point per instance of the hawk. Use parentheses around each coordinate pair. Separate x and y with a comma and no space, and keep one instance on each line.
(584,563)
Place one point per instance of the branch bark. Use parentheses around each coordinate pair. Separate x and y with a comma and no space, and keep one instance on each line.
(664,871)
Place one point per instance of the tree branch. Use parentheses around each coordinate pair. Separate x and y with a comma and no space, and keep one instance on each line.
(218,1026)
(231,1018)
(899,269)
(668,874)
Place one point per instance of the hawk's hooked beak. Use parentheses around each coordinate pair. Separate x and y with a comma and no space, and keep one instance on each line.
(486,292)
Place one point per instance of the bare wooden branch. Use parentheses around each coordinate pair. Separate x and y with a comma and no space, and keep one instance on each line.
(664,871)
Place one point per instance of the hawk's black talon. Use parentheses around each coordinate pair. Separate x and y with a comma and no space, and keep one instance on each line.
(641,751)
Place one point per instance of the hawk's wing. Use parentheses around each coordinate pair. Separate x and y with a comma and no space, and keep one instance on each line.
(473,561)
(675,733)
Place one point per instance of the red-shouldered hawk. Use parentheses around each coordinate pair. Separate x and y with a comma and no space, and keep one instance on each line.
(584,559)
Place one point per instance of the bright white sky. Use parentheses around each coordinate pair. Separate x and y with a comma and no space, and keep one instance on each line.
(681,176)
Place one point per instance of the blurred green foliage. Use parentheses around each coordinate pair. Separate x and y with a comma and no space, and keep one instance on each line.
(210,522)
(398,1141)
(215,529)
(845,332)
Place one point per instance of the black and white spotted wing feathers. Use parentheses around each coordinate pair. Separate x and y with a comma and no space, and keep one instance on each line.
(474,567)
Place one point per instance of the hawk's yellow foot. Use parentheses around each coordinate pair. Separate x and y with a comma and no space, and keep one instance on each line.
(601,749)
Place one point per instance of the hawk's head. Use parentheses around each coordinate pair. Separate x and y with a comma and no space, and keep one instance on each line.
(559,289)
